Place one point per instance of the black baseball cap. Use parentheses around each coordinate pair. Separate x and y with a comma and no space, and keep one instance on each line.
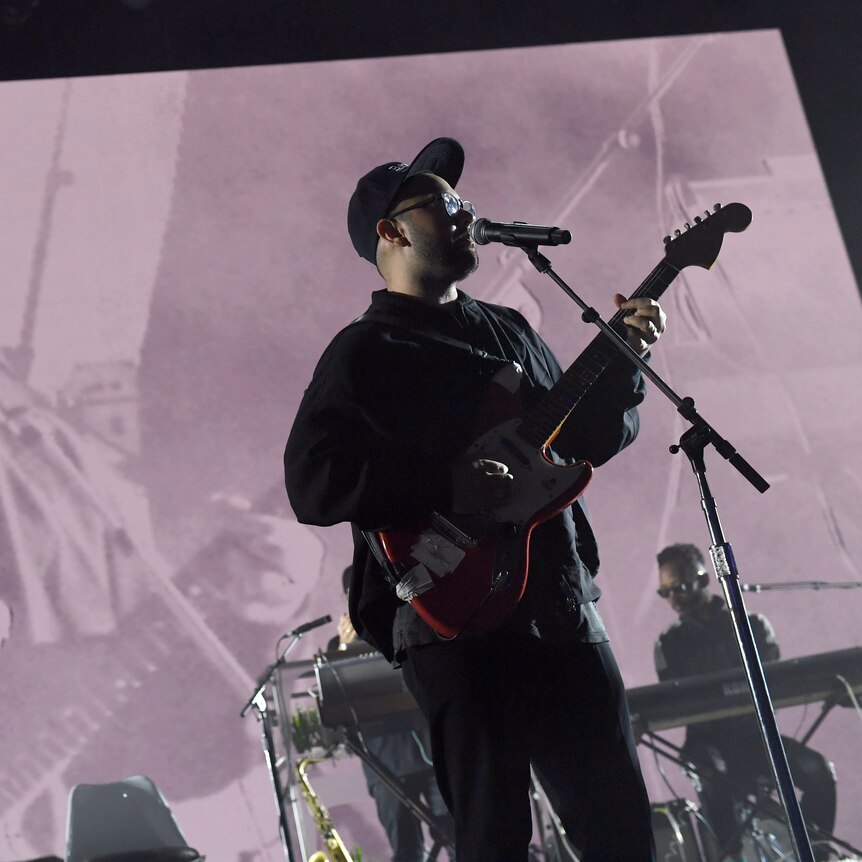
(376,191)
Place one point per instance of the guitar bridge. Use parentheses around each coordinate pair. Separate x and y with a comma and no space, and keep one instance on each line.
(453,533)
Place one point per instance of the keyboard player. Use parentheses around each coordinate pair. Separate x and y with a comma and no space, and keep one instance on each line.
(728,752)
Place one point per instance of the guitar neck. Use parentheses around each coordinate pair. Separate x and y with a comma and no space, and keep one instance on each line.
(542,422)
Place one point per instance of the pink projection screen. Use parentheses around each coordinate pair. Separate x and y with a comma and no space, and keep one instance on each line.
(175,259)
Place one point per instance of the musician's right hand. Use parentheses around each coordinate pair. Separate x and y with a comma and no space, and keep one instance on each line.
(479,484)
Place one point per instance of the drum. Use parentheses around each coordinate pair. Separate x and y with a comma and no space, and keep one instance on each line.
(358,687)
(677,832)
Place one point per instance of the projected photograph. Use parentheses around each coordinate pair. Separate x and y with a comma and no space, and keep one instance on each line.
(175,260)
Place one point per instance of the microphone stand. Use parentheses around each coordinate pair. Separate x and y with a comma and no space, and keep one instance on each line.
(258,702)
(694,442)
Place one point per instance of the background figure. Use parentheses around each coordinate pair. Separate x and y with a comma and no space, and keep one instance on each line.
(407,754)
(728,753)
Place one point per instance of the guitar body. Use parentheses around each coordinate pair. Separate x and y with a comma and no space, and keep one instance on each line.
(479,564)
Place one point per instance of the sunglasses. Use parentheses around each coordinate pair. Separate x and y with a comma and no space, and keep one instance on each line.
(683,587)
(453,205)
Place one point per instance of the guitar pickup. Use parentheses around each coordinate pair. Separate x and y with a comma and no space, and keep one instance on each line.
(454,534)
(513,449)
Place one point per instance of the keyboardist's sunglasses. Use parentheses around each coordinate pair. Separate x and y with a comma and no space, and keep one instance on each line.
(682,587)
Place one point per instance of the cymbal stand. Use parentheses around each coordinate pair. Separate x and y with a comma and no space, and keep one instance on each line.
(416,807)
(828,705)
(675,754)
(664,747)
(697,771)
(555,842)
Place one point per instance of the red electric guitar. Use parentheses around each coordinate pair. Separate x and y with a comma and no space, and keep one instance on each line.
(465,574)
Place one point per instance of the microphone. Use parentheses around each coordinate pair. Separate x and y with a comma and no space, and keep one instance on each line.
(263,679)
(307,627)
(483,231)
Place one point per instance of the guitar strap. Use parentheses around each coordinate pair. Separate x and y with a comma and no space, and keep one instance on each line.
(389,570)
(417,327)
(407,583)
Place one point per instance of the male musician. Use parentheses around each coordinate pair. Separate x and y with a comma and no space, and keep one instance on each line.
(728,753)
(378,441)
(406,754)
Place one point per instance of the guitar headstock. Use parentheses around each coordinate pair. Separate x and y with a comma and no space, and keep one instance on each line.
(699,243)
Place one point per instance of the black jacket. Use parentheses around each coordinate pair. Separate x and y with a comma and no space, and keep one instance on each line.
(696,645)
(390,408)
(692,646)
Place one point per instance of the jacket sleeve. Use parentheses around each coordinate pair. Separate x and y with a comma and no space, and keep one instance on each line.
(660,661)
(669,664)
(346,461)
(605,420)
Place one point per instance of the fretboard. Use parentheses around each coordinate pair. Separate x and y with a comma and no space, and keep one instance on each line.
(540,424)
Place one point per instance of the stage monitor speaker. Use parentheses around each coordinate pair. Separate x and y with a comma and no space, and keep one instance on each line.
(125,819)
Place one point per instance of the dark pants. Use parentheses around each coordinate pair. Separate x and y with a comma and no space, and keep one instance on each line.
(402,827)
(737,765)
(499,703)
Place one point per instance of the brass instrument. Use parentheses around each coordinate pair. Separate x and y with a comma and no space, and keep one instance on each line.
(337,850)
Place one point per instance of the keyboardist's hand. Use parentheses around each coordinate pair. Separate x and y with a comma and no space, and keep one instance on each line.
(346,632)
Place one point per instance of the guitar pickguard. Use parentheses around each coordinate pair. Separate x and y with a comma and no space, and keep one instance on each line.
(474,567)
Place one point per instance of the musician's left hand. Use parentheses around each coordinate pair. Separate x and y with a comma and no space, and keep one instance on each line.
(644,324)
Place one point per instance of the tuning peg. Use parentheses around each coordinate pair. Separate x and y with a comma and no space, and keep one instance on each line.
(717,207)
(677,232)
(697,219)
(687,226)
(666,240)
(706,213)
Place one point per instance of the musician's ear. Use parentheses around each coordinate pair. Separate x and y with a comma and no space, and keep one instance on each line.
(702,580)
(389,232)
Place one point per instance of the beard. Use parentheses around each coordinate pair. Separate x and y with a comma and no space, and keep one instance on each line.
(447,260)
